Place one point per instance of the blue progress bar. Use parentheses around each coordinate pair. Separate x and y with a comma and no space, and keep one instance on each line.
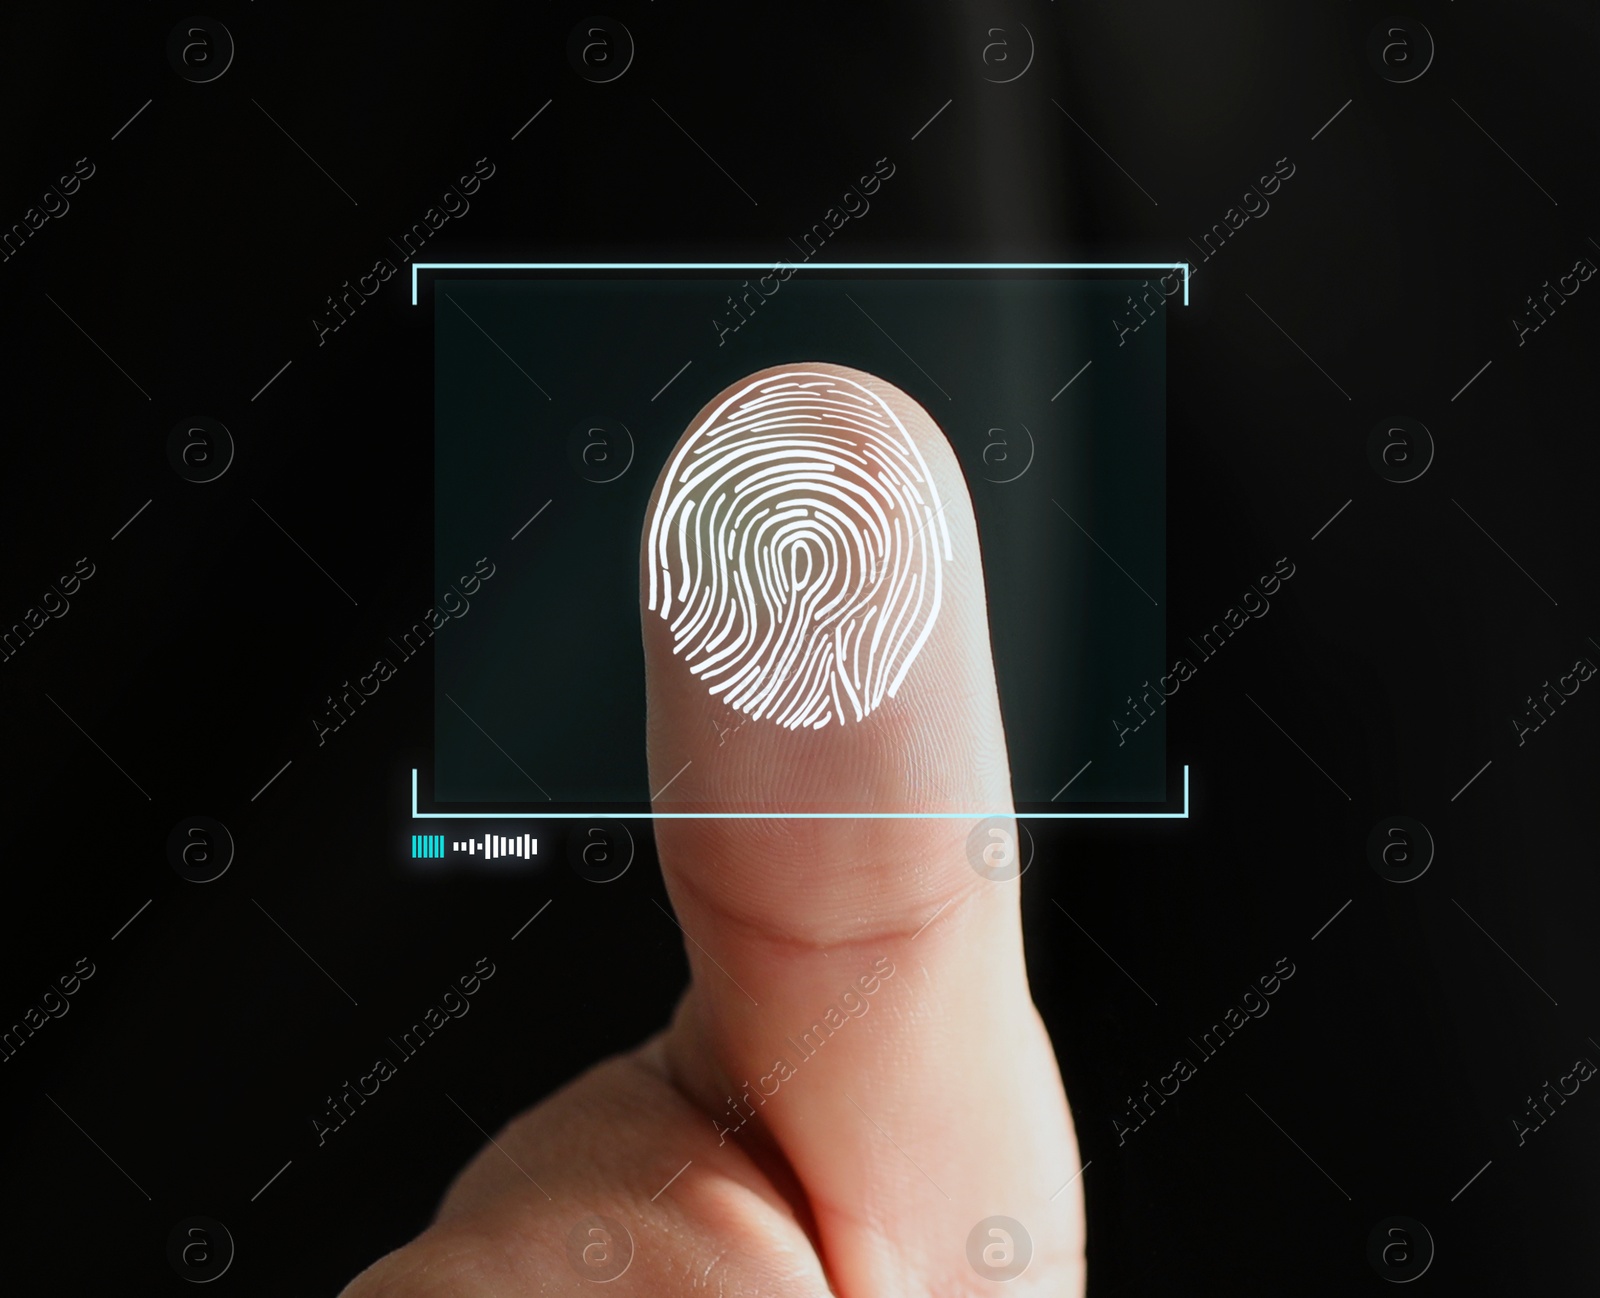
(427,845)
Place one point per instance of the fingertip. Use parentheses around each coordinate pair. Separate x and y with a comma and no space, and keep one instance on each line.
(816,644)
(803,542)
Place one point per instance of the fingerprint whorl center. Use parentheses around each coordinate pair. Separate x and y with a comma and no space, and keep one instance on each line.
(797,550)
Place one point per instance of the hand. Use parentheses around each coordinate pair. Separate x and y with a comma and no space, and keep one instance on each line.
(856,1076)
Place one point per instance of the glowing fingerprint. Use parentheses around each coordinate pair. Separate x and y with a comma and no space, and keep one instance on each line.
(797,550)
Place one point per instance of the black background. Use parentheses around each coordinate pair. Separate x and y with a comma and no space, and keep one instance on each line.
(1417,1021)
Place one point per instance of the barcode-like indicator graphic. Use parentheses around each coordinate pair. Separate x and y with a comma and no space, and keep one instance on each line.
(490,847)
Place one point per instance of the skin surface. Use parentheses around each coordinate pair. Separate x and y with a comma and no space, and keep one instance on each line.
(890,1131)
